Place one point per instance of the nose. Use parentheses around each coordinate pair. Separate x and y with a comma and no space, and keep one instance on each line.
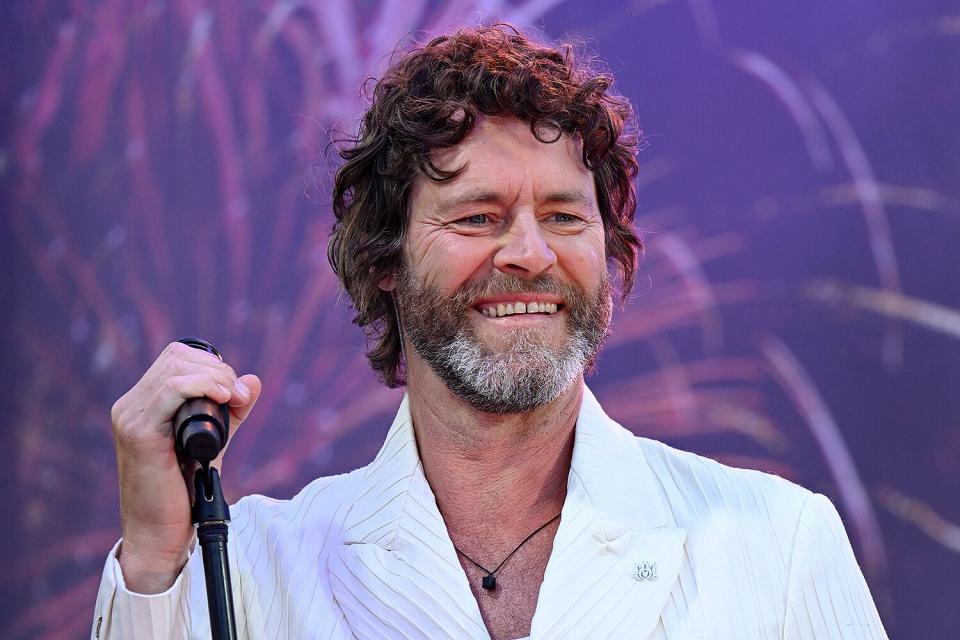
(524,251)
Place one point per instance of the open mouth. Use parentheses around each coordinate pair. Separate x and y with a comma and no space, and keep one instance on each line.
(501,309)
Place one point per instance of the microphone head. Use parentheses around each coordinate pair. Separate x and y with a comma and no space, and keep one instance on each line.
(200,343)
(201,428)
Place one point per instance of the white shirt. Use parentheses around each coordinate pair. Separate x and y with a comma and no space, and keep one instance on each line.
(653,543)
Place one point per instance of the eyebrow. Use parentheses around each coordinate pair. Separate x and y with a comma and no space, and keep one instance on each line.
(574,196)
(470,197)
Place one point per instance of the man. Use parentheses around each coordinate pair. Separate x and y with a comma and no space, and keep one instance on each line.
(487,191)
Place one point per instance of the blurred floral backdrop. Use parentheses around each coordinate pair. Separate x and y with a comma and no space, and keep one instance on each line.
(165,171)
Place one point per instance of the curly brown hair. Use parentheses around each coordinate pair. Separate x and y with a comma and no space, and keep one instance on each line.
(430,98)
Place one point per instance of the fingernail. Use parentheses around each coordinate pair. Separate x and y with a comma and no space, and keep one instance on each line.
(242,389)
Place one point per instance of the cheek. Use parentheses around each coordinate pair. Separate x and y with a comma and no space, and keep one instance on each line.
(446,261)
(586,258)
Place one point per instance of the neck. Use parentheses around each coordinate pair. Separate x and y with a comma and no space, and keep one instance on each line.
(494,475)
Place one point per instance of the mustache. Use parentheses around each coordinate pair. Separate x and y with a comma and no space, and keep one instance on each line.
(500,283)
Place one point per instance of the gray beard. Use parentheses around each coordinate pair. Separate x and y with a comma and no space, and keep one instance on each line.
(527,373)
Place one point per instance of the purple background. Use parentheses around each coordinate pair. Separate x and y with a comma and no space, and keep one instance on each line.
(163,174)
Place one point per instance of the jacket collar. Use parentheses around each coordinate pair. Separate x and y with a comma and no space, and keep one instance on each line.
(615,558)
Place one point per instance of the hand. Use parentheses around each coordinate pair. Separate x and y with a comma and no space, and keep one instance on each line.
(155,489)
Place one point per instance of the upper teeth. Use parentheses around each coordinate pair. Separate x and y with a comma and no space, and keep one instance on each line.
(511,308)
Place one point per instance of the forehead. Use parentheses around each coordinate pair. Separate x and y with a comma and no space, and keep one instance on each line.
(502,156)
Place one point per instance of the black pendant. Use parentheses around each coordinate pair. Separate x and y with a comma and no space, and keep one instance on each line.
(489,582)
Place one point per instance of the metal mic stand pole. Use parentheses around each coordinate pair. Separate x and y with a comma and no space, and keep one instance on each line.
(211,515)
(202,427)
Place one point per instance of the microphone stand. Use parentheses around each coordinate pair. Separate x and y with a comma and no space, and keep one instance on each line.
(201,433)
(211,515)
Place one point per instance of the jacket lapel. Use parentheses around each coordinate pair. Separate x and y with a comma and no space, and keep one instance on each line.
(617,553)
(615,558)
(397,573)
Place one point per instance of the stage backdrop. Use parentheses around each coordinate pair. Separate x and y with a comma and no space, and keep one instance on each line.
(165,173)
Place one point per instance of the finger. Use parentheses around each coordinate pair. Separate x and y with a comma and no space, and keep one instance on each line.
(239,414)
(184,360)
(181,359)
(247,389)
(239,410)
(186,352)
(174,391)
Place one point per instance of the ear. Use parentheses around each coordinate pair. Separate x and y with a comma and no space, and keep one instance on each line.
(389,283)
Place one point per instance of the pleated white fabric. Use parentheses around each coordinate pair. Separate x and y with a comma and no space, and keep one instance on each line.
(653,543)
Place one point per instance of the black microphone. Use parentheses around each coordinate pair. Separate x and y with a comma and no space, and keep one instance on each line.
(201,425)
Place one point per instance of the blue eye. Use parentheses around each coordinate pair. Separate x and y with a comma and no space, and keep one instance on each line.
(477,219)
(565,217)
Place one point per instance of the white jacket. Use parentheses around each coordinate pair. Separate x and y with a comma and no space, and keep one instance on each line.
(653,543)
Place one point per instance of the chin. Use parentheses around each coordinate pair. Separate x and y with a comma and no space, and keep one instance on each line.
(504,347)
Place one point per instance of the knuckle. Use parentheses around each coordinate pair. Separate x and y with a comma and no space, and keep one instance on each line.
(117,410)
(180,351)
(179,347)
(174,385)
(126,427)
(172,348)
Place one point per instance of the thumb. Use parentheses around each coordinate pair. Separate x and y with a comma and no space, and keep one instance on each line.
(240,409)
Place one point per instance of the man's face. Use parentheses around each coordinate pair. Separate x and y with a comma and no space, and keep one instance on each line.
(505,292)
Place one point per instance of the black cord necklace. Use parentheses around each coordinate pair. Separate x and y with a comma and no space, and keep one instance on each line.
(489,581)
